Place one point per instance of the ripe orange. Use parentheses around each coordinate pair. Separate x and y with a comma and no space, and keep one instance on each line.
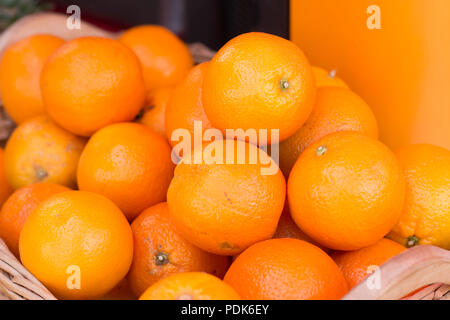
(346,191)
(78,244)
(288,229)
(224,208)
(128,163)
(153,116)
(91,82)
(18,207)
(159,251)
(336,109)
(287,269)
(165,59)
(40,151)
(327,79)
(357,265)
(259,81)
(426,214)
(20,71)
(190,286)
(186,106)
(5,188)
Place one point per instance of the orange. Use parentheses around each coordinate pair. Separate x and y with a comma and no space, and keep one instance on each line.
(121,291)
(91,82)
(225,207)
(165,59)
(20,71)
(40,151)
(327,79)
(336,109)
(19,206)
(402,69)
(287,228)
(259,81)
(286,269)
(190,286)
(5,188)
(160,251)
(128,163)
(153,116)
(78,244)
(426,215)
(186,106)
(346,191)
(357,265)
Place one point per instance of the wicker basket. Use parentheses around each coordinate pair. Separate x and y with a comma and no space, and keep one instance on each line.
(415,268)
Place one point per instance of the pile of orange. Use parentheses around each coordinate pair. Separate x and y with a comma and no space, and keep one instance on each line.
(134,174)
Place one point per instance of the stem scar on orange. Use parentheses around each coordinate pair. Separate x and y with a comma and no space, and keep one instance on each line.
(287,228)
(128,163)
(78,244)
(327,78)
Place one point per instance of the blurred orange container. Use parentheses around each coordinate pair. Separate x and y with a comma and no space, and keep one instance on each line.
(401,66)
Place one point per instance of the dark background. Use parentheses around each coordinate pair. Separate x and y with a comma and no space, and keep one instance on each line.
(211,22)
